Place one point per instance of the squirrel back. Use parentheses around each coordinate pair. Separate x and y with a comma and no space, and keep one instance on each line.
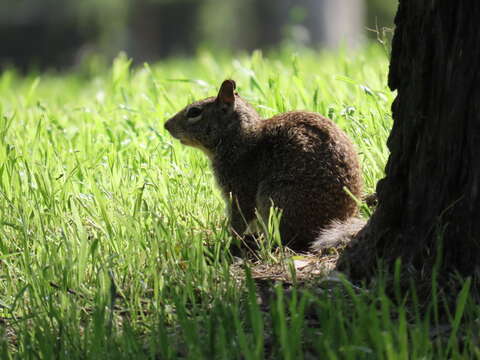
(300,162)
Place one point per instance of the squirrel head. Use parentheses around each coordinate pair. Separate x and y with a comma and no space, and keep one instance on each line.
(207,123)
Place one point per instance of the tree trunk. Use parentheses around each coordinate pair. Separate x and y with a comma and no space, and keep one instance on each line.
(335,23)
(432,183)
(159,29)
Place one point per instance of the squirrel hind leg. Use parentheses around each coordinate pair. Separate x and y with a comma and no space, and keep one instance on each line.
(337,233)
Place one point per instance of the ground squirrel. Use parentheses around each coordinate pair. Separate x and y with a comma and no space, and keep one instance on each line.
(299,161)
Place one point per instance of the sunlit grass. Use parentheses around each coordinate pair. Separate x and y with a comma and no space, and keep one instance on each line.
(113,237)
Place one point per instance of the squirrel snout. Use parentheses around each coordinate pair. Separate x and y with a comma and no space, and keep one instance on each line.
(172,128)
(168,125)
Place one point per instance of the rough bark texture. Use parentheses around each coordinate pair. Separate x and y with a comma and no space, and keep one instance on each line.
(431,188)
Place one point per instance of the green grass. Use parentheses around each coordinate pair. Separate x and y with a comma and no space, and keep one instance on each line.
(113,237)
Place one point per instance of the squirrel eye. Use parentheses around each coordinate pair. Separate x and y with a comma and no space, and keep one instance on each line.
(194,112)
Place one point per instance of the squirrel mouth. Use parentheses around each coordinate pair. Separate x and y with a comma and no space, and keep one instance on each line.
(195,144)
(185,141)
(177,136)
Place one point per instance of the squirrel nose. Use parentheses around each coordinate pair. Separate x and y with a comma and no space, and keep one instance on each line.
(168,125)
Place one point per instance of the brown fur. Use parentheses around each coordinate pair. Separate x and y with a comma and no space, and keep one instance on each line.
(300,161)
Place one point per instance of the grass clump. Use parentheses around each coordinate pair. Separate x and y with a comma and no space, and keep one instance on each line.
(113,237)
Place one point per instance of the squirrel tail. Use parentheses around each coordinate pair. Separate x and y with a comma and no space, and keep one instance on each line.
(337,233)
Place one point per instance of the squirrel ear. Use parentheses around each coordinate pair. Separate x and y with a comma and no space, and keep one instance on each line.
(226,94)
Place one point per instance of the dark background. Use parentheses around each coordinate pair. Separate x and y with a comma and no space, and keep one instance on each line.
(46,34)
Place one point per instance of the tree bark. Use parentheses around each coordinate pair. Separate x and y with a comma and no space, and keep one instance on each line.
(429,199)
